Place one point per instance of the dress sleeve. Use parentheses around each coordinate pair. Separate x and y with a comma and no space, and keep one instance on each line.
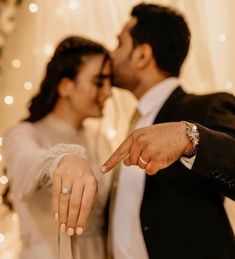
(30,167)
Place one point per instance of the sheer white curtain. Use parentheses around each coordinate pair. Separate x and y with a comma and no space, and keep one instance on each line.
(34,40)
(209,67)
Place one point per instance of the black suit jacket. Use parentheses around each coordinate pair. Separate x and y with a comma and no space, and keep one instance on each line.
(182,213)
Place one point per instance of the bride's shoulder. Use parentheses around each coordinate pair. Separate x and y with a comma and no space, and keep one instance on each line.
(23,127)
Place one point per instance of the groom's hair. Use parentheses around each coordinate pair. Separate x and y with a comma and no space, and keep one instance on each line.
(166,31)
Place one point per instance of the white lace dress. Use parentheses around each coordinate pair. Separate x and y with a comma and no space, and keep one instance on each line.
(32,152)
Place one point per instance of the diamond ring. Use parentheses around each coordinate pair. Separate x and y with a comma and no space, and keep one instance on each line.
(142,161)
(66,190)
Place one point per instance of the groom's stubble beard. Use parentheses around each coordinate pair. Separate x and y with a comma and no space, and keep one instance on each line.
(124,78)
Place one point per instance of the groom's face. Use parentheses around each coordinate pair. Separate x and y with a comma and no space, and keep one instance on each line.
(123,61)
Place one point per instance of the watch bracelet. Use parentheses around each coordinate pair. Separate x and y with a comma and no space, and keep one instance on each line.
(193,136)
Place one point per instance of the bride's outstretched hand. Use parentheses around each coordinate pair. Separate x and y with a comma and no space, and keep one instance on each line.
(74,193)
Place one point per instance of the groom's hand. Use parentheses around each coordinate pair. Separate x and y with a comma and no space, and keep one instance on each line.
(151,148)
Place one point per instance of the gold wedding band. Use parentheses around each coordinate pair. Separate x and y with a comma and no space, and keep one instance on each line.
(142,161)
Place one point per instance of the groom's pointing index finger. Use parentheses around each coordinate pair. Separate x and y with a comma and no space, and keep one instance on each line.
(119,154)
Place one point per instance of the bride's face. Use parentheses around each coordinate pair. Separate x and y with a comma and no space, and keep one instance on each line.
(91,87)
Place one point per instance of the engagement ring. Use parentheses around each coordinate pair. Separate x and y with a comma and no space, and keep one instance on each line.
(66,190)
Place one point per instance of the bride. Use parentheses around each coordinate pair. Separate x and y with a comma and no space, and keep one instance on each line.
(48,157)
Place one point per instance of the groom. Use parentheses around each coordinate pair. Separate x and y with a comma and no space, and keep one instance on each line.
(177,212)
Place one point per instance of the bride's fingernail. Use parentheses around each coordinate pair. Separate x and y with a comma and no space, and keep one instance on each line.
(62,228)
(56,216)
(103,169)
(70,231)
(79,231)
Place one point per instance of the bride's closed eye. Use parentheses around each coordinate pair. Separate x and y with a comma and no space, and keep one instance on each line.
(99,81)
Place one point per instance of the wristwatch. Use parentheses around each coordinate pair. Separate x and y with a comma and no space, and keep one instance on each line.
(193,135)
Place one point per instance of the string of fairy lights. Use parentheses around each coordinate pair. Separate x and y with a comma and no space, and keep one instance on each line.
(16,63)
(47,49)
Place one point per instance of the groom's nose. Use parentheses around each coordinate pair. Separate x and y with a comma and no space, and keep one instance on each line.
(113,54)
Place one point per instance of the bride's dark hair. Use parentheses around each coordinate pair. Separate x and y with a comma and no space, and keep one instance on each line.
(65,63)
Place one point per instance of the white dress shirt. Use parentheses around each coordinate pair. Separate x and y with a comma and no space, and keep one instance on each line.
(128,241)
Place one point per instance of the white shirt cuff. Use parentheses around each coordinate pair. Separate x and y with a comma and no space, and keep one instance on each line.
(188,162)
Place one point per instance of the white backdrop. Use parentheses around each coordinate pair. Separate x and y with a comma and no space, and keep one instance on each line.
(209,67)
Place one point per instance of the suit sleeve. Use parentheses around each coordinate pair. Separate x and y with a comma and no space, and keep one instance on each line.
(216,153)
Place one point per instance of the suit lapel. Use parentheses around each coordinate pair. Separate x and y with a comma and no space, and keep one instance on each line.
(164,115)
(169,106)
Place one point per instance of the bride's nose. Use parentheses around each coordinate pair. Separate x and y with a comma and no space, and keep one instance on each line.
(105,91)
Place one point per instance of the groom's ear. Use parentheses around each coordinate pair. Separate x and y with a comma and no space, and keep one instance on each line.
(143,56)
(65,87)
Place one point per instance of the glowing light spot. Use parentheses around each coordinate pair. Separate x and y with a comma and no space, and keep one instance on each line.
(111,133)
(222,37)
(3,179)
(2,238)
(16,63)
(48,49)
(28,85)
(33,8)
(73,5)
(9,100)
